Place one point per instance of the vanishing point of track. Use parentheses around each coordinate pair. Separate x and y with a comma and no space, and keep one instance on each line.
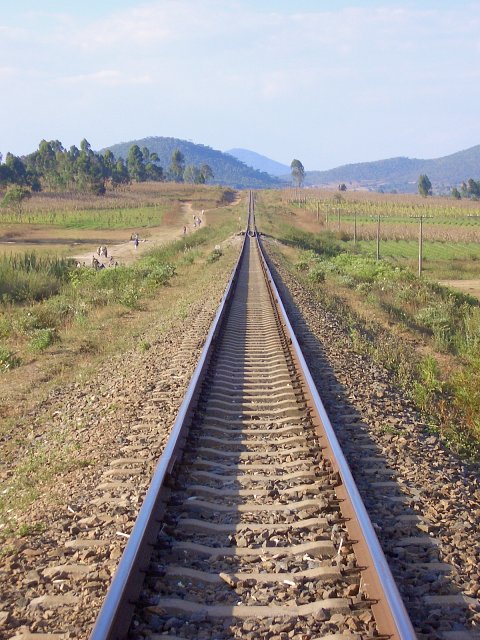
(252,527)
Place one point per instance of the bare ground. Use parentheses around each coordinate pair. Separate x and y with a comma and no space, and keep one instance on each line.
(466,286)
(126,253)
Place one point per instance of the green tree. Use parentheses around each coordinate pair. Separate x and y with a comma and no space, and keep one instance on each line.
(14,198)
(135,164)
(108,162)
(473,188)
(177,166)
(424,185)
(120,174)
(298,172)
(153,171)
(456,193)
(206,173)
(191,174)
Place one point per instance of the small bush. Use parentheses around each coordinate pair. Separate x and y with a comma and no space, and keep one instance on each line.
(317,274)
(130,297)
(42,339)
(214,255)
(160,274)
(8,359)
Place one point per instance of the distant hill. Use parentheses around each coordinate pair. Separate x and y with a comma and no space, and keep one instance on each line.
(259,162)
(227,169)
(402,173)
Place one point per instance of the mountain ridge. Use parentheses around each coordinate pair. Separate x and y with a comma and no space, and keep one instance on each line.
(259,161)
(227,169)
(243,168)
(401,173)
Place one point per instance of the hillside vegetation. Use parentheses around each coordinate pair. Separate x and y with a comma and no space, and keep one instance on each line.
(227,170)
(402,173)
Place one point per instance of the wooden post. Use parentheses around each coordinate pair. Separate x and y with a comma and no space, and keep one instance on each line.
(355,227)
(318,210)
(338,219)
(378,237)
(420,248)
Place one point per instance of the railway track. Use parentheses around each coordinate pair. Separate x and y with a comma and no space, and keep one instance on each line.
(252,527)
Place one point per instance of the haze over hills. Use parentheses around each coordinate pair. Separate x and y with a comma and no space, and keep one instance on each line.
(243,168)
(227,169)
(402,173)
(259,162)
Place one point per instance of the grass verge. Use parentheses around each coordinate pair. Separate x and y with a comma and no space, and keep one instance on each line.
(426,335)
(39,456)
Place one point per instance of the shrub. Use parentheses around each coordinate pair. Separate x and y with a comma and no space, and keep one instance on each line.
(42,339)
(215,255)
(317,274)
(8,359)
(130,297)
(28,277)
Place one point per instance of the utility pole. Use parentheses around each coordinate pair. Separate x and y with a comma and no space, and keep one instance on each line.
(420,218)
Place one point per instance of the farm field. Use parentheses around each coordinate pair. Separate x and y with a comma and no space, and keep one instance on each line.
(68,225)
(426,333)
(48,306)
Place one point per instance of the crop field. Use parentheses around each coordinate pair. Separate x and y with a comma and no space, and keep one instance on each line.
(47,296)
(450,228)
(60,224)
(118,218)
(426,330)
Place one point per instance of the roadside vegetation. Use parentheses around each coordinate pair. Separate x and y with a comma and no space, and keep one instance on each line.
(426,334)
(59,323)
(42,297)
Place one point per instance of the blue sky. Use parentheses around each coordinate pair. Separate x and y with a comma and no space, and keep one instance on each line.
(328,82)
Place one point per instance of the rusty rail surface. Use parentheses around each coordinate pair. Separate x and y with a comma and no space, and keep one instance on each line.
(252,472)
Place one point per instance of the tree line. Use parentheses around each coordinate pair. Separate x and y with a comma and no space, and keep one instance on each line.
(55,168)
(468,189)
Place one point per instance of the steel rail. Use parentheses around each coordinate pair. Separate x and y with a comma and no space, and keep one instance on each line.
(113,620)
(392,606)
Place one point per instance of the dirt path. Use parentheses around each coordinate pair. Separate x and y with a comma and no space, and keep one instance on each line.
(466,286)
(126,253)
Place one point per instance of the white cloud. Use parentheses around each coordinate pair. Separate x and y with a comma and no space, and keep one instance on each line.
(107,77)
(212,67)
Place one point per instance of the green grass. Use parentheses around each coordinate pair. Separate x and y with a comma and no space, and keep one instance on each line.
(29,277)
(447,319)
(41,296)
(122,218)
(408,250)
